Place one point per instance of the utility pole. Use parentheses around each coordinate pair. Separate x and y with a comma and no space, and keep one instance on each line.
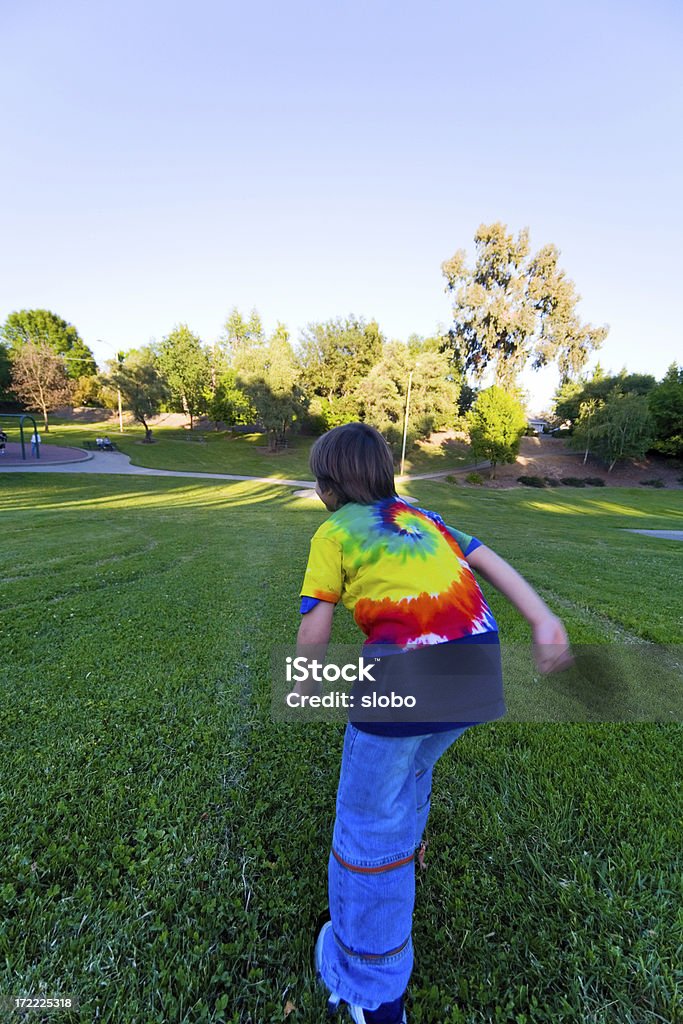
(405,421)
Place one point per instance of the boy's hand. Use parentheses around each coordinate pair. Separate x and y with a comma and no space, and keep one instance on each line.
(551,645)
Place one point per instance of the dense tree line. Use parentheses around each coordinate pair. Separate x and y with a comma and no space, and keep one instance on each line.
(511,308)
(342,369)
(624,415)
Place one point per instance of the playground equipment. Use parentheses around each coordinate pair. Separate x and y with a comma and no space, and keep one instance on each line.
(21,417)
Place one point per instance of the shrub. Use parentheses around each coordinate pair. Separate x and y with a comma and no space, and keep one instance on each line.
(531,481)
(474,478)
(573,481)
(451,478)
(594,481)
(652,483)
(552,481)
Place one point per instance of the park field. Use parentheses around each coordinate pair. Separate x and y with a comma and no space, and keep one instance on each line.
(209,451)
(164,844)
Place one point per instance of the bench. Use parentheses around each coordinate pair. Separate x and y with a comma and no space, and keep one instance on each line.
(93,446)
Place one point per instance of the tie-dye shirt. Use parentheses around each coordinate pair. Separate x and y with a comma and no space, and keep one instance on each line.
(401,571)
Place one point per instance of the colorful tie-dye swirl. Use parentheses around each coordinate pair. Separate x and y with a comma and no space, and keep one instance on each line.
(401,571)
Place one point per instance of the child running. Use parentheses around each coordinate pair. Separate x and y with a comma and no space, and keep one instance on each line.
(407,577)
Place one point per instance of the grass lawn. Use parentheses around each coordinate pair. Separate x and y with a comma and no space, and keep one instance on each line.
(163,844)
(222,452)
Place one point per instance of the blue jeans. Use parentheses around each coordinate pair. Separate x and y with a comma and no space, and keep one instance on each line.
(382,808)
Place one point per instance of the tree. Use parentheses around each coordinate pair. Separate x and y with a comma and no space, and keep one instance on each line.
(335,356)
(40,380)
(5,370)
(269,378)
(433,394)
(141,386)
(568,399)
(496,422)
(624,428)
(512,307)
(666,406)
(184,364)
(240,338)
(88,391)
(417,343)
(587,427)
(41,327)
(228,403)
(571,396)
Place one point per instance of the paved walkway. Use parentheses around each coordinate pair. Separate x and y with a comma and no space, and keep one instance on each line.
(119,464)
(666,534)
(75,460)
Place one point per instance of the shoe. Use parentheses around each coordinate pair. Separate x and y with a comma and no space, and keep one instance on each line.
(358,1015)
(334,1000)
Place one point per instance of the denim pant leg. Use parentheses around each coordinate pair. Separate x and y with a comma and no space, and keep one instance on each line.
(427,754)
(368,955)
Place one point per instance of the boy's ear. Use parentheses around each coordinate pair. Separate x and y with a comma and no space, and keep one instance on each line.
(330,500)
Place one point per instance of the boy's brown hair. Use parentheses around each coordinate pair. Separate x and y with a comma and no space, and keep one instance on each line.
(355,463)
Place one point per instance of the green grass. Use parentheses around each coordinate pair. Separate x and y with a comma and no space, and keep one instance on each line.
(164,844)
(208,451)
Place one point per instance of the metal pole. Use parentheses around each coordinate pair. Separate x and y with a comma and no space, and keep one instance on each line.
(119,359)
(22,417)
(405,422)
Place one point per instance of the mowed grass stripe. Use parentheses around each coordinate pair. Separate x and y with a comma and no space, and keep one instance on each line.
(165,845)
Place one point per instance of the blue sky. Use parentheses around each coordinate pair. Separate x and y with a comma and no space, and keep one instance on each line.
(164,162)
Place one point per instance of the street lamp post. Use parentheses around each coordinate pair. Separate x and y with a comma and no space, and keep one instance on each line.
(119,359)
(405,421)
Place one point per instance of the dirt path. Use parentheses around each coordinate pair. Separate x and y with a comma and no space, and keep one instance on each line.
(549,457)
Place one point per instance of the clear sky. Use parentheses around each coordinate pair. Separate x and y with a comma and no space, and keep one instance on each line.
(163,162)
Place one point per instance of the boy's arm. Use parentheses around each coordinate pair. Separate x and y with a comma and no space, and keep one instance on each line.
(551,644)
(312,640)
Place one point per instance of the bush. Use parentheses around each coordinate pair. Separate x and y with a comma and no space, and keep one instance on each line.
(451,478)
(652,483)
(552,481)
(474,478)
(531,481)
(573,481)
(594,481)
